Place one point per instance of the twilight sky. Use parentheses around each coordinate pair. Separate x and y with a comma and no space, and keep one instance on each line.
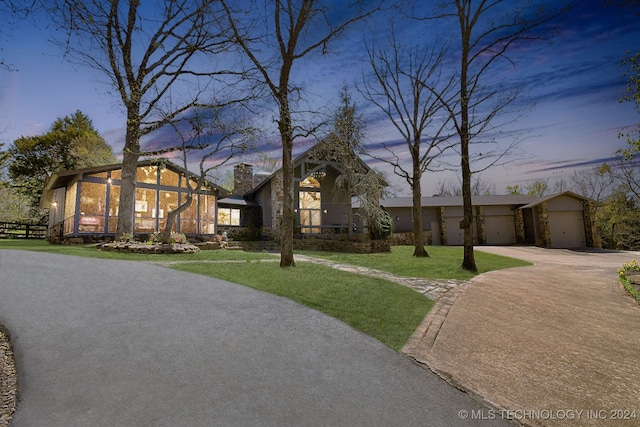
(573,85)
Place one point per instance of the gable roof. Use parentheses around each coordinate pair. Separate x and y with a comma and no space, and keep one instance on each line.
(297,161)
(543,199)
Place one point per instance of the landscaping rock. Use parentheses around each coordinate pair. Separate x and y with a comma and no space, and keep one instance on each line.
(156,248)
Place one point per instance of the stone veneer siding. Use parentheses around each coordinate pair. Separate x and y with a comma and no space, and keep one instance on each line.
(443,227)
(277,202)
(482,228)
(543,238)
(519,223)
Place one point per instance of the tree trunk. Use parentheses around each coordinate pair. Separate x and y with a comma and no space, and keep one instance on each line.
(130,155)
(418,234)
(286,230)
(468,259)
(171,218)
(126,204)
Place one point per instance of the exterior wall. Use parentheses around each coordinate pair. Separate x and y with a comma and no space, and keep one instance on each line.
(91,204)
(277,202)
(567,224)
(543,234)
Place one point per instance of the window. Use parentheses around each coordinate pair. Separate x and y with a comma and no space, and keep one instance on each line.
(207,214)
(168,177)
(70,209)
(145,209)
(189,217)
(147,174)
(92,206)
(228,216)
(168,202)
(309,205)
(114,200)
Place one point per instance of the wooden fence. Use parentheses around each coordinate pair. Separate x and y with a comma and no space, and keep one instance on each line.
(17,230)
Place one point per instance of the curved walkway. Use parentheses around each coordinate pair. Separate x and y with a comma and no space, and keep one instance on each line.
(108,343)
(556,343)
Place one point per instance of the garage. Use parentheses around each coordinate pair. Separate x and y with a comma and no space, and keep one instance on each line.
(567,229)
(500,230)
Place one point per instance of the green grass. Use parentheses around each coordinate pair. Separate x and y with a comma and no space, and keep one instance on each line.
(443,262)
(381,309)
(92,251)
(386,311)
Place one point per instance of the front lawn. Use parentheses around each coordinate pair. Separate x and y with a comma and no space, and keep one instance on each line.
(443,262)
(381,309)
(92,251)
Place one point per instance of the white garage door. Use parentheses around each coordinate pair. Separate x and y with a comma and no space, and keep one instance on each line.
(567,229)
(500,230)
(455,234)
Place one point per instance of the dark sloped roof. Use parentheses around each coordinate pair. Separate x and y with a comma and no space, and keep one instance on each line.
(437,201)
(304,156)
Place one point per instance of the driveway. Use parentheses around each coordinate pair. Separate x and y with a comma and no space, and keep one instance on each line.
(117,343)
(556,343)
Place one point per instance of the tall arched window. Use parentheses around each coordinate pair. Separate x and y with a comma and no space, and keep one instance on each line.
(309,206)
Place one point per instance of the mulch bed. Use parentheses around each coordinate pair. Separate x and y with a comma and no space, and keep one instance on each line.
(8,380)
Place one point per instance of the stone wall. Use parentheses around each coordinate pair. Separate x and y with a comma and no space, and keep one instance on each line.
(543,239)
(277,202)
(326,245)
(399,239)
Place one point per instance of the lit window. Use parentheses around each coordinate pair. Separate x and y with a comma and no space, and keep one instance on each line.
(228,216)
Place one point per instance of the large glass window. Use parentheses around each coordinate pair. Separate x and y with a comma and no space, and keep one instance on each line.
(168,202)
(309,206)
(189,217)
(70,209)
(114,201)
(168,177)
(228,216)
(207,214)
(145,210)
(92,207)
(147,174)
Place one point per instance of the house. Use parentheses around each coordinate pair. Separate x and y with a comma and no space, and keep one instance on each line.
(320,206)
(563,220)
(83,203)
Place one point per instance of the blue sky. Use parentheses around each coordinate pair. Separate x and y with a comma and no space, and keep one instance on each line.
(573,84)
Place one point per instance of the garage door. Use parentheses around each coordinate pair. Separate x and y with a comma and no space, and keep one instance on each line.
(455,234)
(567,229)
(500,230)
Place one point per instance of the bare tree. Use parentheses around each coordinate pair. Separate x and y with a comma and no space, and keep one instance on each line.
(488,29)
(13,11)
(479,187)
(595,183)
(216,138)
(403,86)
(145,52)
(294,29)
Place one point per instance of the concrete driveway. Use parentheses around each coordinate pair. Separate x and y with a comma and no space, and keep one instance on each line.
(116,343)
(556,343)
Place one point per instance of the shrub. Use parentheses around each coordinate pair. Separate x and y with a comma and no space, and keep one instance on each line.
(628,285)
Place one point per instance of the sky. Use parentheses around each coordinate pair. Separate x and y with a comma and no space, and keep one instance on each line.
(570,115)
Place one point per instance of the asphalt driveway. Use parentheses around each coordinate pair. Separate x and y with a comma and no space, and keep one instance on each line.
(556,343)
(116,343)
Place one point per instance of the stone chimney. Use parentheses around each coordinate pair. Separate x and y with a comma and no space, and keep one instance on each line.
(242,179)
